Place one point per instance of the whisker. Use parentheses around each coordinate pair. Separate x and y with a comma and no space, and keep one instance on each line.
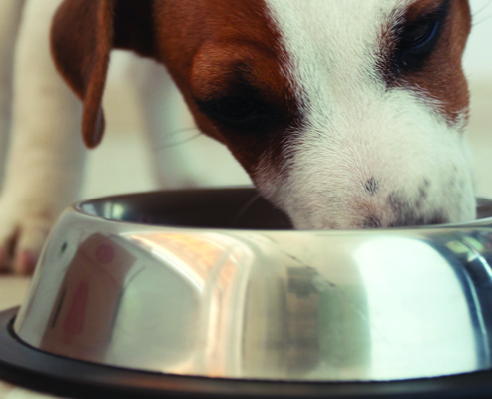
(243,210)
(482,20)
(185,129)
(482,9)
(179,142)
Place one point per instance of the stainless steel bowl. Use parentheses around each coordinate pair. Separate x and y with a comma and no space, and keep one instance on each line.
(211,283)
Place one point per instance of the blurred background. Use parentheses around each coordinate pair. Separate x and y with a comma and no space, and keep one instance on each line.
(478,68)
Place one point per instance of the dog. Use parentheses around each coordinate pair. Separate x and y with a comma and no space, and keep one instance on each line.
(344,114)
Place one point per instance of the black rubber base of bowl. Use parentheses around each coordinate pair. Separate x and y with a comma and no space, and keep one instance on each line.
(30,368)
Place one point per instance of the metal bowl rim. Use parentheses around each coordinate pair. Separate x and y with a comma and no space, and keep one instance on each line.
(78,208)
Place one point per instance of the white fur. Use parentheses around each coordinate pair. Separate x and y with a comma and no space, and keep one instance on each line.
(356,130)
(45,121)
(11,11)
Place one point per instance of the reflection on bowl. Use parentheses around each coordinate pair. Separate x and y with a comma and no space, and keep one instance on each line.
(211,283)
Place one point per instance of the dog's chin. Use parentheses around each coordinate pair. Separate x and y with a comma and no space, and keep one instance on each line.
(313,207)
(321,210)
(370,223)
(346,218)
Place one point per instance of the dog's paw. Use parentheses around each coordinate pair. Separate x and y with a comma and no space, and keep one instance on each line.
(23,231)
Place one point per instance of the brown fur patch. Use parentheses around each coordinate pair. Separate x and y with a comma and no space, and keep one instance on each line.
(81,40)
(421,8)
(82,37)
(440,77)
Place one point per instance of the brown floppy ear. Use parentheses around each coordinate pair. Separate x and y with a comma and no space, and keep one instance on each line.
(83,34)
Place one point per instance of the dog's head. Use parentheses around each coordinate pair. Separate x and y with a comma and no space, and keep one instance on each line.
(345,113)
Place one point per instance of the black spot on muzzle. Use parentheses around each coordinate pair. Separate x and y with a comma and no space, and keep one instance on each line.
(372,186)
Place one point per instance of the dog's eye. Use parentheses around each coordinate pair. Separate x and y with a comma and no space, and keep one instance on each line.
(236,110)
(418,33)
(418,40)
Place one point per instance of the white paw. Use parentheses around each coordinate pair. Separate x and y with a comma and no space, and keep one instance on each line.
(24,226)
